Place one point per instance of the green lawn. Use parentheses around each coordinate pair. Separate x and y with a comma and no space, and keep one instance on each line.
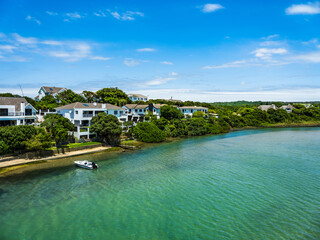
(73,145)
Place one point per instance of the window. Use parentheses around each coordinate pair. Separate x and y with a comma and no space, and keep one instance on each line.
(115,112)
(140,110)
(21,121)
(120,112)
(3,111)
(28,112)
(76,112)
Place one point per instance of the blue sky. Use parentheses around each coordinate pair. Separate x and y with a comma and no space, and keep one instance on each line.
(190,50)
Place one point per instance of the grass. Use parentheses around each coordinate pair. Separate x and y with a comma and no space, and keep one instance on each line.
(132,143)
(73,145)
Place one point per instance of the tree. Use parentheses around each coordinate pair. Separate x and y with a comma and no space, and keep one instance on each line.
(68,96)
(90,96)
(39,142)
(107,127)
(3,147)
(196,127)
(170,113)
(148,132)
(113,96)
(59,127)
(198,114)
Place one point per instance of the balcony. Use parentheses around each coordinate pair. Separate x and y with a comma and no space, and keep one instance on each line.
(12,114)
(87,115)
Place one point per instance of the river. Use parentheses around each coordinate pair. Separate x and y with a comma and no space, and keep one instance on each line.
(253,184)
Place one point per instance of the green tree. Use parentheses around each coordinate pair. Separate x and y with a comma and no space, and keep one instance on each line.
(68,96)
(148,132)
(39,142)
(3,147)
(59,128)
(169,112)
(90,96)
(198,114)
(196,127)
(107,127)
(113,96)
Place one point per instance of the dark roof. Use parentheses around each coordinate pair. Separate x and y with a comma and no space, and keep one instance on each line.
(89,105)
(136,106)
(13,101)
(52,90)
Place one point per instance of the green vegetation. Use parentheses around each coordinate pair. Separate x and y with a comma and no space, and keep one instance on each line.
(107,127)
(59,128)
(148,132)
(74,145)
(18,139)
(113,96)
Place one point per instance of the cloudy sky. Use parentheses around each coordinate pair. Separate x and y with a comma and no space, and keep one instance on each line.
(190,50)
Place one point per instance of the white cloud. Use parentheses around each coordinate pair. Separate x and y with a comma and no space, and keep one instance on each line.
(24,40)
(159,81)
(52,42)
(210,7)
(266,53)
(304,9)
(126,16)
(100,58)
(146,50)
(73,16)
(271,37)
(131,62)
(235,64)
(166,62)
(29,18)
(52,13)
(174,74)
(7,48)
(313,57)
(13,59)
(75,52)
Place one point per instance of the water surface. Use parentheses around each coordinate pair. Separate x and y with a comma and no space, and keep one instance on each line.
(255,184)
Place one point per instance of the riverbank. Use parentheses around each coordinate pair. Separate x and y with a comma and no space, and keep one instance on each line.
(11,166)
(8,166)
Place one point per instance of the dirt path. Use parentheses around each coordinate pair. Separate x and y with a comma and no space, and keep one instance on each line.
(61,155)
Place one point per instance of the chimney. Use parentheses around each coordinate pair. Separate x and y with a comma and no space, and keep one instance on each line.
(104,105)
(22,107)
(95,104)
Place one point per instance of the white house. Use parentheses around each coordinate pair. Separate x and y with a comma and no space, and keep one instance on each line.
(45,91)
(267,107)
(16,111)
(288,108)
(137,97)
(190,110)
(135,112)
(155,109)
(80,114)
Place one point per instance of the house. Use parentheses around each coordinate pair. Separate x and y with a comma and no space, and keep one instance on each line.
(80,114)
(135,112)
(267,107)
(154,109)
(137,97)
(45,91)
(288,108)
(16,111)
(190,110)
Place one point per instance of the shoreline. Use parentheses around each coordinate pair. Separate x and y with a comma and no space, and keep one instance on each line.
(8,168)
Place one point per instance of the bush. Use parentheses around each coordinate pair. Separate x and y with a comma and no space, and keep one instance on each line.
(148,132)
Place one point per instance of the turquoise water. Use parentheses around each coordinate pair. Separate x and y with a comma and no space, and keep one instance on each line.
(257,184)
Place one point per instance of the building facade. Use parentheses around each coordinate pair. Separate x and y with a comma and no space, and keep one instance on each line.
(80,114)
(46,91)
(190,110)
(16,111)
(137,97)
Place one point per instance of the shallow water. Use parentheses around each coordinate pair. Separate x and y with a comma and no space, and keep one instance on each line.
(254,184)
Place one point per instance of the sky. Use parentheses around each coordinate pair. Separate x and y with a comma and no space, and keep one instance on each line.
(208,51)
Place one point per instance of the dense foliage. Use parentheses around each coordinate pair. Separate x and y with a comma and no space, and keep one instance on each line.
(113,96)
(148,132)
(107,127)
(23,138)
(59,128)
(169,112)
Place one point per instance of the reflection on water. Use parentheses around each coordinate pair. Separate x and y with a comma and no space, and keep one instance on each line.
(257,184)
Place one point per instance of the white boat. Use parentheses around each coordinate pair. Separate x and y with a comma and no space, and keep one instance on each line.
(86,164)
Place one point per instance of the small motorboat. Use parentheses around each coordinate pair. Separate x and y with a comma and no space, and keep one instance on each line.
(86,164)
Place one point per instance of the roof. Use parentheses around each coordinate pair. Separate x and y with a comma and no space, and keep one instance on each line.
(137,95)
(52,90)
(192,107)
(79,105)
(158,105)
(13,101)
(135,106)
(266,107)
